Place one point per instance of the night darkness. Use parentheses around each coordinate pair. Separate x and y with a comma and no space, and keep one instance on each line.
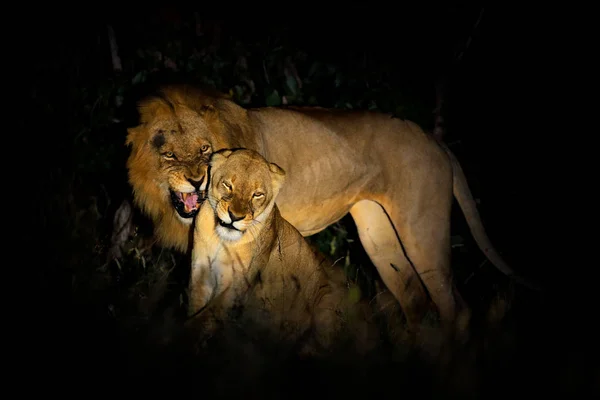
(94,326)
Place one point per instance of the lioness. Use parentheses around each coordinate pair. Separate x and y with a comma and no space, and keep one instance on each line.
(245,255)
(396,181)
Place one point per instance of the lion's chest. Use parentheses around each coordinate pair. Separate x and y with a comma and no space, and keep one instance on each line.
(279,300)
(273,296)
(223,269)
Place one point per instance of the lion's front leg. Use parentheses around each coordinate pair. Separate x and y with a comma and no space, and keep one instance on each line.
(202,286)
(204,306)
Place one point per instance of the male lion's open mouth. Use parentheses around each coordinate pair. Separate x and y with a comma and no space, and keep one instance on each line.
(187,204)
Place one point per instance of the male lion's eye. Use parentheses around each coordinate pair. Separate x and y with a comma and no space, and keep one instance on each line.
(258,195)
(204,148)
(227,185)
(169,154)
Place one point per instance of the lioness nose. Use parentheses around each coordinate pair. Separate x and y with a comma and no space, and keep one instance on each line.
(196,184)
(233,217)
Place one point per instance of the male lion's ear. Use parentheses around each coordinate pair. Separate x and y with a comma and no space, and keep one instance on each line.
(207,111)
(149,108)
(277,176)
(219,157)
(132,136)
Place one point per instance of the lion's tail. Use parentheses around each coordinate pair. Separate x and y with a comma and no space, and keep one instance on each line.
(468,206)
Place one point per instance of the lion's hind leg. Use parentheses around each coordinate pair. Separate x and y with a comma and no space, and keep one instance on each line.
(421,218)
(380,241)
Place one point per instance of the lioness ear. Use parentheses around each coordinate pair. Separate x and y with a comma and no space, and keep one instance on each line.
(277,175)
(219,157)
(276,169)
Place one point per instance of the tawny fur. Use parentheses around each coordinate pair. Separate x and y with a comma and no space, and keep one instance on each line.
(263,266)
(396,181)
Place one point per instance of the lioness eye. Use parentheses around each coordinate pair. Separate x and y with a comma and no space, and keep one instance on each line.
(258,195)
(169,154)
(204,148)
(227,185)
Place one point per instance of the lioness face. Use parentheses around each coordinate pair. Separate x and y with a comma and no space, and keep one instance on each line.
(169,161)
(243,188)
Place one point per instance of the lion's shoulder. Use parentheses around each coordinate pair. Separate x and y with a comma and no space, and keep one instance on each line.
(297,253)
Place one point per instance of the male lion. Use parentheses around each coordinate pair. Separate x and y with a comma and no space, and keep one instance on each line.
(246,256)
(395,180)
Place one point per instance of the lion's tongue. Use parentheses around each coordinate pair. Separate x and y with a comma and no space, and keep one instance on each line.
(190,200)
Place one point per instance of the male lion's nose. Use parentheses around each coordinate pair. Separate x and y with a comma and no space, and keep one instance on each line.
(234,217)
(196,184)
